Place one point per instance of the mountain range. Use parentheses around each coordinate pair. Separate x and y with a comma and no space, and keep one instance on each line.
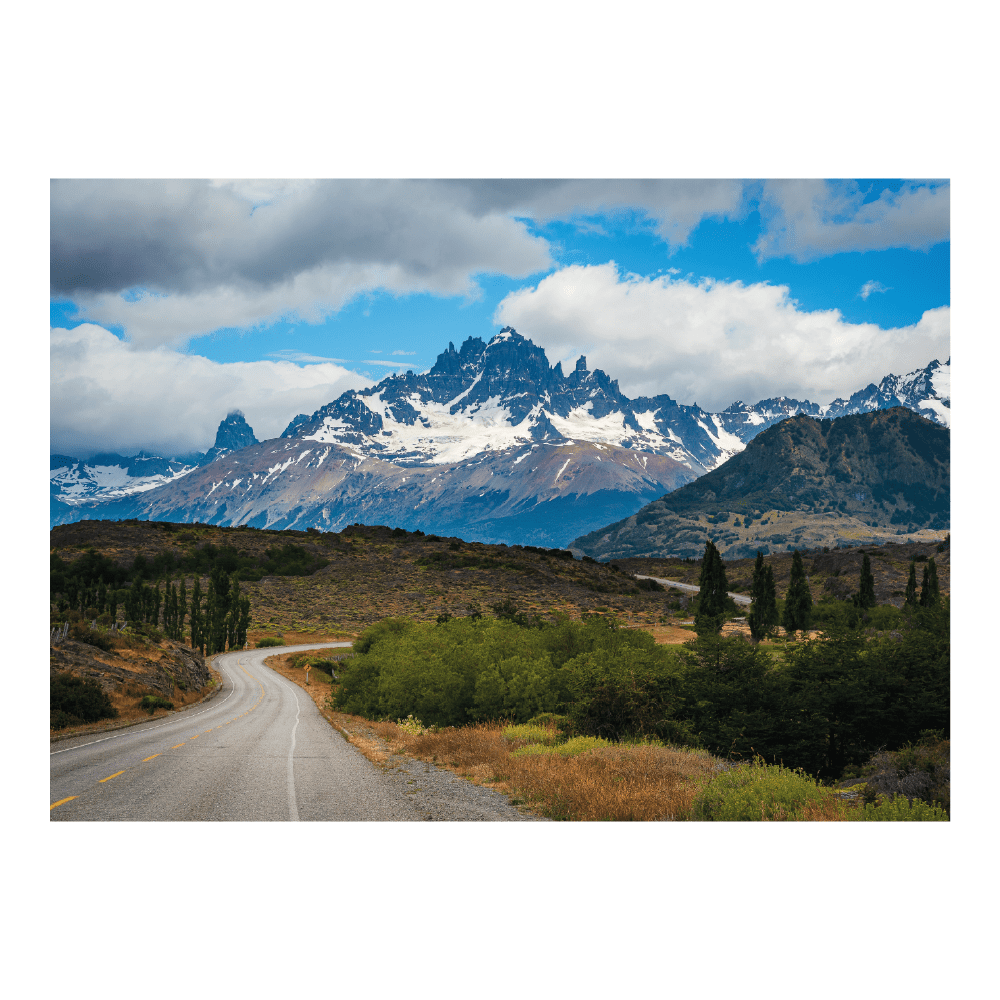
(491,444)
(803,483)
(109,476)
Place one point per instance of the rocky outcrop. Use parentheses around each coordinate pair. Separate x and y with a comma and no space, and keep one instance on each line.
(158,668)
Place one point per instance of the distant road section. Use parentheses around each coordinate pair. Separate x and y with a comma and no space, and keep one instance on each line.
(259,750)
(738,598)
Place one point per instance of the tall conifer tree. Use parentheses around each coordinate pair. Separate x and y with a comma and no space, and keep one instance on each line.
(798,600)
(930,593)
(910,601)
(763,601)
(713,599)
(866,594)
(197,635)
(241,634)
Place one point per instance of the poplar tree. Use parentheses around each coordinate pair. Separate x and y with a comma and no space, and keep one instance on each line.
(133,601)
(170,611)
(197,635)
(866,593)
(763,601)
(929,592)
(713,599)
(181,610)
(156,599)
(798,600)
(233,614)
(102,596)
(910,600)
(244,625)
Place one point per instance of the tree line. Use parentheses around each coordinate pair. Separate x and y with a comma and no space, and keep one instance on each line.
(829,704)
(714,604)
(215,619)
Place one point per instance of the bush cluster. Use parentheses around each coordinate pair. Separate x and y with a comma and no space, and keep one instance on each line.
(151,702)
(827,704)
(81,632)
(73,700)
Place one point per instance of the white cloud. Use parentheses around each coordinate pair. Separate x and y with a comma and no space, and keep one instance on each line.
(872,286)
(168,261)
(808,219)
(245,254)
(404,352)
(109,396)
(712,342)
(675,206)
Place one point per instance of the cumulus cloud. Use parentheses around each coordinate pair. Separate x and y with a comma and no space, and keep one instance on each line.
(170,260)
(872,286)
(167,261)
(712,342)
(108,396)
(808,219)
(200,256)
(674,206)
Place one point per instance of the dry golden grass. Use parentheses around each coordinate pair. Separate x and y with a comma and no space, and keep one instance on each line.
(292,637)
(613,783)
(607,783)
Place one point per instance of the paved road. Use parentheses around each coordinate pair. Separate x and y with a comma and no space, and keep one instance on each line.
(259,750)
(738,598)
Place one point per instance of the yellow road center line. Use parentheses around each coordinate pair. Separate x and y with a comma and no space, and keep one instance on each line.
(61,802)
(176,745)
(150,757)
(195,737)
(110,776)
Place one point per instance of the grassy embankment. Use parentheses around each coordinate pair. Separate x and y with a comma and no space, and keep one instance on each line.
(130,668)
(586,778)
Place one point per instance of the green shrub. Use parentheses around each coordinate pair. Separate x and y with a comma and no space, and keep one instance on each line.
(270,641)
(80,632)
(151,702)
(757,791)
(533,733)
(314,662)
(919,771)
(629,692)
(571,748)
(898,809)
(79,698)
(547,719)
(60,720)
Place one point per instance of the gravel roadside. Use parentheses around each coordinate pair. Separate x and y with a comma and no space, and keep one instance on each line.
(435,794)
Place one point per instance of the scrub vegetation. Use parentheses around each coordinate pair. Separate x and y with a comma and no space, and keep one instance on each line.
(824,705)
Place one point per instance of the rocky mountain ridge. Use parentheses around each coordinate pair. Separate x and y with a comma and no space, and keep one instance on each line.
(490,443)
(110,476)
(803,483)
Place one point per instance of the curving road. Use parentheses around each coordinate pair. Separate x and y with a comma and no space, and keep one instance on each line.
(738,598)
(259,750)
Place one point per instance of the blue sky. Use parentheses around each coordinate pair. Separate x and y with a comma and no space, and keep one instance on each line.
(275,298)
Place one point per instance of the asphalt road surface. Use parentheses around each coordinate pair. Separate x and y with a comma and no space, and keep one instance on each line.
(738,598)
(259,750)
